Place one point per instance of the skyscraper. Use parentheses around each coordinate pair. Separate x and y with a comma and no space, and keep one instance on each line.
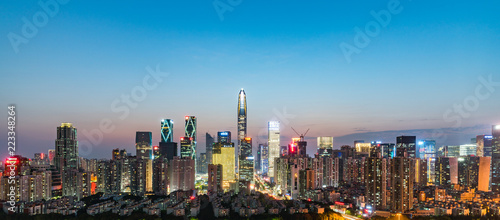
(242,116)
(325,146)
(187,148)
(246,161)
(209,142)
(223,154)
(182,174)
(483,143)
(402,178)
(273,142)
(224,137)
(376,181)
(143,144)
(406,144)
(495,159)
(66,157)
(167,130)
(167,148)
(427,151)
(264,159)
(190,132)
(214,179)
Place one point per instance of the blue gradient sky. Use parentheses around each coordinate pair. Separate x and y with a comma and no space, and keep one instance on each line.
(285,54)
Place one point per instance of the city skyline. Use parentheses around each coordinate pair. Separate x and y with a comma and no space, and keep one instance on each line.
(389,87)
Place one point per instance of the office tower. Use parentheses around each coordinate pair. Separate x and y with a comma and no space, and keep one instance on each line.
(51,156)
(246,161)
(273,142)
(363,148)
(167,130)
(426,149)
(215,177)
(264,159)
(468,171)
(190,127)
(223,154)
(467,150)
(386,150)
(66,157)
(209,142)
(325,146)
(168,150)
(484,174)
(402,178)
(182,174)
(187,148)
(358,141)
(495,159)
(446,171)
(406,144)
(483,143)
(224,137)
(258,162)
(242,116)
(202,163)
(376,182)
(144,144)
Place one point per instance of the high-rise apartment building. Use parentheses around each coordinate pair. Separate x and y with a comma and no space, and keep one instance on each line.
(274,144)
(144,144)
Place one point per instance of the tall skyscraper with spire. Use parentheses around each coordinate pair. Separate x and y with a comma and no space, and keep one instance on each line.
(242,117)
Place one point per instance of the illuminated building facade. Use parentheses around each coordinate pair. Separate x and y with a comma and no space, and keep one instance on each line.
(483,143)
(264,159)
(187,148)
(402,179)
(246,161)
(167,130)
(376,182)
(143,144)
(190,133)
(427,151)
(468,171)
(224,154)
(242,116)
(274,144)
(363,148)
(66,157)
(406,144)
(325,146)
(224,137)
(484,174)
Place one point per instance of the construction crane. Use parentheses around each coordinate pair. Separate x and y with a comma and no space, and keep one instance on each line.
(300,135)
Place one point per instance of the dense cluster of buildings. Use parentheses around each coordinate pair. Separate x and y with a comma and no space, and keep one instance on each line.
(397,177)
